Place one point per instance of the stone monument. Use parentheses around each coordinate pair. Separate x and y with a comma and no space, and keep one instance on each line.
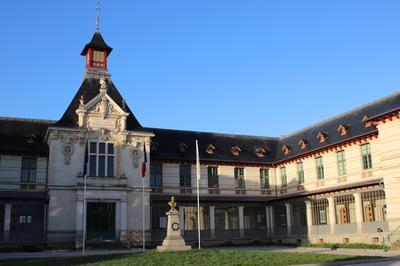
(173,241)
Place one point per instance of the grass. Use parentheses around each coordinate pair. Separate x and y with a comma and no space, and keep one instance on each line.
(194,257)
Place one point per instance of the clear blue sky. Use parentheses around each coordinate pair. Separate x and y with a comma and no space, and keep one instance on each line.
(249,67)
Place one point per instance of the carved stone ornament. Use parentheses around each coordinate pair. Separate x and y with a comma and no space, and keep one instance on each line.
(135,154)
(67,149)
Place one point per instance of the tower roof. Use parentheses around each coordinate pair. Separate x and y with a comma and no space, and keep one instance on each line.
(97,43)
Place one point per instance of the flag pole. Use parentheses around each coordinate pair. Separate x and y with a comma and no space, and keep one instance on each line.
(143,230)
(198,192)
(143,212)
(84,215)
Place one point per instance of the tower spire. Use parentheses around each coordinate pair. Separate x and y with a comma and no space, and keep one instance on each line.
(98,12)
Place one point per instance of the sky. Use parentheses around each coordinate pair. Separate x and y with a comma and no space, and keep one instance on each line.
(263,67)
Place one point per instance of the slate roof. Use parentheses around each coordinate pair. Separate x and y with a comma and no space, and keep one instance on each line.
(90,89)
(168,141)
(352,118)
(16,132)
(98,43)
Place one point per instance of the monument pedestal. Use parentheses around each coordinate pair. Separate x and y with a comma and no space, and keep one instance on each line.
(173,241)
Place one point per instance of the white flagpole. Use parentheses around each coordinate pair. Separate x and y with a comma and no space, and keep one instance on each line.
(198,192)
(143,230)
(84,215)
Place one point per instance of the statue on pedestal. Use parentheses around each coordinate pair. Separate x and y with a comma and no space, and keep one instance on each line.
(173,241)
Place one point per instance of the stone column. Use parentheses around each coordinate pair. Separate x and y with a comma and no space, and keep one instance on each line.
(308,216)
(332,214)
(358,210)
(212,221)
(124,221)
(288,219)
(267,220)
(271,218)
(241,221)
(7,221)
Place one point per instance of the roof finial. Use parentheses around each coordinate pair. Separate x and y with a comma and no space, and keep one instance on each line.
(98,11)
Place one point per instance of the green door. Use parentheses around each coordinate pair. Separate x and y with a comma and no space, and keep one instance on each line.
(100,221)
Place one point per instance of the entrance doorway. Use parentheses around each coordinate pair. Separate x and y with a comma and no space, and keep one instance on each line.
(100,221)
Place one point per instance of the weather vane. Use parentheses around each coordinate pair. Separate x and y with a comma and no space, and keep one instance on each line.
(98,11)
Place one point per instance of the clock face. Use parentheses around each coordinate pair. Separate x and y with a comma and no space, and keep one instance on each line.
(175,226)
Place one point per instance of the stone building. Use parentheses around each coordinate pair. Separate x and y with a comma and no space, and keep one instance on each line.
(335,181)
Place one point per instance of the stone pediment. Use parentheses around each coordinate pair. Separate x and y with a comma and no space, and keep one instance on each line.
(102,112)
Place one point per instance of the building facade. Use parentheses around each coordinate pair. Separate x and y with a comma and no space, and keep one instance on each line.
(335,181)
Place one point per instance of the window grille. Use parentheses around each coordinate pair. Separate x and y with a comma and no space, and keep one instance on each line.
(373,203)
(345,209)
(320,211)
(280,216)
(366,156)
(341,161)
(298,213)
(190,218)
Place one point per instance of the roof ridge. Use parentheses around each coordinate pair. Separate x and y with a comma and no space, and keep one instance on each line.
(374,102)
(33,120)
(215,133)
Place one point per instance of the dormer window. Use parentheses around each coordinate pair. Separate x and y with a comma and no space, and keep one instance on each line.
(210,149)
(236,150)
(260,152)
(154,146)
(286,149)
(343,129)
(303,143)
(30,138)
(322,136)
(183,147)
(365,121)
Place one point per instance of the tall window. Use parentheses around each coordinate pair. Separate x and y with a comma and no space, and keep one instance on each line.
(300,173)
(239,178)
(28,170)
(341,161)
(101,159)
(320,167)
(98,56)
(212,173)
(283,177)
(185,175)
(156,175)
(264,178)
(366,156)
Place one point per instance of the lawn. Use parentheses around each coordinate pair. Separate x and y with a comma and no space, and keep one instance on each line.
(194,257)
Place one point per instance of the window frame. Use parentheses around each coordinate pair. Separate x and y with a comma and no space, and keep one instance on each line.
(366,156)
(30,178)
(320,168)
(212,178)
(264,177)
(156,176)
(240,178)
(300,173)
(106,155)
(283,176)
(341,163)
(185,181)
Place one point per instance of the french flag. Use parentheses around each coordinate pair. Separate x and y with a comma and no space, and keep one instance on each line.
(144,161)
